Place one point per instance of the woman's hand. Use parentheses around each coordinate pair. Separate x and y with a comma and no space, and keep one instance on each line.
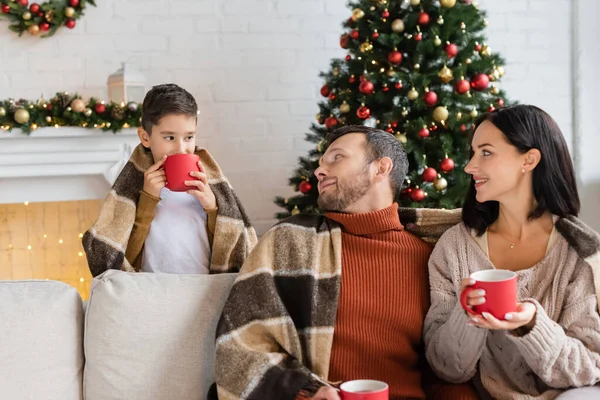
(524,316)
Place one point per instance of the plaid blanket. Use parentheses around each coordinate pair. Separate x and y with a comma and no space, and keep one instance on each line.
(276,331)
(106,241)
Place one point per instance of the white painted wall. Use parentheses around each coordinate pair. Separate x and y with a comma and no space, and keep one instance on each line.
(253,67)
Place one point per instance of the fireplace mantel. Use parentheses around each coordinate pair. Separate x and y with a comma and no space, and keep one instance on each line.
(61,164)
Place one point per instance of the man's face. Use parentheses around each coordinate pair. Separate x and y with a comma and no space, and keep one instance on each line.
(344,175)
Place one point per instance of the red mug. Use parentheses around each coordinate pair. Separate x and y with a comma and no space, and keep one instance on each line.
(365,390)
(500,287)
(178,168)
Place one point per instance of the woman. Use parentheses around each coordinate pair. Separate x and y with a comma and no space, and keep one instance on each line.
(521,215)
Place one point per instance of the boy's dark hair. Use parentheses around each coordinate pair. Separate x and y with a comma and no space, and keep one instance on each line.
(165,100)
(379,144)
(554,185)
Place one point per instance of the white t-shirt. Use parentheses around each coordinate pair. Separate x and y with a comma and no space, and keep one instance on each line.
(177,242)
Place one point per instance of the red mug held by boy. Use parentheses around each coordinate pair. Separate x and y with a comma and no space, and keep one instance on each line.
(500,293)
(178,168)
(364,390)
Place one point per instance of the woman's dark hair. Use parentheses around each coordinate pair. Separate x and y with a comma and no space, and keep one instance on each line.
(554,186)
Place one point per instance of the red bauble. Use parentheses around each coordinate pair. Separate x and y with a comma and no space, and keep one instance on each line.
(478,47)
(73,3)
(385,14)
(492,108)
(398,85)
(34,8)
(44,26)
(419,37)
(385,88)
(500,102)
(390,130)
(70,23)
(462,86)
(23,2)
(451,50)
(480,82)
(5,8)
(366,87)
(325,91)
(430,98)
(330,122)
(49,107)
(362,78)
(332,96)
(424,132)
(363,112)
(348,57)
(304,187)
(41,14)
(395,57)
(394,124)
(99,108)
(429,174)
(344,41)
(447,165)
(417,195)
(423,18)
(375,35)
(463,127)
(354,34)
(352,79)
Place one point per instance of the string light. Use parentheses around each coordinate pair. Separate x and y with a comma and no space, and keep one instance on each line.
(80,254)
(26,203)
(81,280)
(81,235)
(60,241)
(28,247)
(45,236)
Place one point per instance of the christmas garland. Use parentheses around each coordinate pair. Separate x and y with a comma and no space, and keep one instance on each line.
(68,110)
(45,17)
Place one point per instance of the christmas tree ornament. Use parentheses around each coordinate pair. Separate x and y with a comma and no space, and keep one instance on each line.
(451,50)
(87,112)
(447,3)
(384,87)
(305,187)
(385,13)
(440,184)
(398,85)
(473,113)
(395,57)
(485,22)
(458,115)
(34,8)
(440,114)
(462,86)
(5,8)
(73,3)
(500,102)
(78,105)
(437,41)
(463,26)
(401,137)
(22,116)
(69,12)
(375,34)
(99,108)
(423,18)
(325,91)
(331,122)
(132,106)
(344,39)
(417,67)
(412,94)
(500,70)
(398,26)
(366,47)
(44,27)
(332,96)
(48,119)
(415,3)
(357,14)
(447,164)
(33,30)
(49,15)
(424,132)
(445,74)
(363,112)
(344,107)
(2,112)
(26,16)
(355,34)
(295,211)
(491,108)
(419,37)
(440,20)
(480,82)
(417,195)
(366,87)
(429,174)
(430,98)
(70,23)
(348,57)
(486,51)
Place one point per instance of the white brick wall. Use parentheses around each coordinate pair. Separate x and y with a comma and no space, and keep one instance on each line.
(253,67)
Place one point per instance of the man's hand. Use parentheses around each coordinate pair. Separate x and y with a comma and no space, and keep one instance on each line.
(155,178)
(202,189)
(326,393)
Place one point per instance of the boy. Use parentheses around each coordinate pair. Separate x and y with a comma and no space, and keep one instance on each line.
(143,226)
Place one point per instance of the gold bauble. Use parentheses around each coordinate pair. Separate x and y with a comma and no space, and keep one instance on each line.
(440,20)
(404,112)
(401,137)
(500,71)
(458,115)
(440,114)
(357,14)
(413,94)
(463,26)
(391,73)
(69,12)
(437,41)
(78,105)
(474,113)
(26,15)
(440,184)
(417,66)
(2,112)
(318,117)
(485,22)
(295,211)
(48,119)
(335,71)
(447,3)
(495,75)
(87,112)
(22,116)
(486,50)
(468,61)
(33,29)
(445,74)
(398,25)
(366,46)
(415,2)
(495,90)
(345,107)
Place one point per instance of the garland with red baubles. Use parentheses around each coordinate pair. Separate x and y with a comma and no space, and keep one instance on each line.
(42,18)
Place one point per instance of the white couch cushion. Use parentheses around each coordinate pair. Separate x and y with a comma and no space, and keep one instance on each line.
(41,341)
(152,336)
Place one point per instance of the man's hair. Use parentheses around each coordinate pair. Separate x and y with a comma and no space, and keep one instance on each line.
(379,144)
(166,99)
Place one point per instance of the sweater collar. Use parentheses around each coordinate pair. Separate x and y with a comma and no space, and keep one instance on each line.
(383,220)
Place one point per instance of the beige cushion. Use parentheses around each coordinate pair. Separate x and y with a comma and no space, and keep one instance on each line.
(41,341)
(152,336)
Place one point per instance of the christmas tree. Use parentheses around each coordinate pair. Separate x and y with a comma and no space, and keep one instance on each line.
(420,70)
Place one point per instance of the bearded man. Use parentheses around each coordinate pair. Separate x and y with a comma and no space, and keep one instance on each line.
(329,298)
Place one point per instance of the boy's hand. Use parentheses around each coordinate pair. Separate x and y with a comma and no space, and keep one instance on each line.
(202,189)
(155,178)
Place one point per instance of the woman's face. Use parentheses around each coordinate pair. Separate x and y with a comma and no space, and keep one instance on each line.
(497,167)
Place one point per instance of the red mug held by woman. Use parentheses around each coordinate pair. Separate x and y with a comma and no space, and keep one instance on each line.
(500,292)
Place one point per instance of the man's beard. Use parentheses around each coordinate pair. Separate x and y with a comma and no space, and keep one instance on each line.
(345,193)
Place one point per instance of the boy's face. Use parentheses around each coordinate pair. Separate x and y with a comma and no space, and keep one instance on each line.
(174,134)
